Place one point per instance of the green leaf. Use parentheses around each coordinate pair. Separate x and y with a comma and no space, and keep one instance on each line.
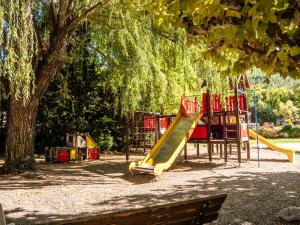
(295,51)
(272,18)
(255,23)
(282,55)
(271,49)
(252,12)
(233,13)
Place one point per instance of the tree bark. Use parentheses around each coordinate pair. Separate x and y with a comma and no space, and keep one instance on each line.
(19,149)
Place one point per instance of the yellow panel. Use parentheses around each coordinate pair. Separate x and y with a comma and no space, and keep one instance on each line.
(73,154)
(90,143)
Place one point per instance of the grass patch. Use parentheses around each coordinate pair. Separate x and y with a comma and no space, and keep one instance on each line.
(280,140)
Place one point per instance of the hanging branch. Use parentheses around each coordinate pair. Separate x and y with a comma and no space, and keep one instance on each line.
(74,23)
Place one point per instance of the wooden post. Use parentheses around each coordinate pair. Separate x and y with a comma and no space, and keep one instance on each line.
(157,129)
(209,145)
(198,150)
(144,140)
(225,134)
(225,153)
(127,138)
(185,152)
(230,149)
(217,148)
(221,150)
(238,130)
(248,150)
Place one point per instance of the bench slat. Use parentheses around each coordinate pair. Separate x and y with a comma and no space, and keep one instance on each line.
(196,211)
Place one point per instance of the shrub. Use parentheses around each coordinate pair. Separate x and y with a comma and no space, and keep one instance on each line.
(105,141)
(295,132)
(287,129)
(268,132)
(291,131)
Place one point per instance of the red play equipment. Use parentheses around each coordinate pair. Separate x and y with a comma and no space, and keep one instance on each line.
(222,126)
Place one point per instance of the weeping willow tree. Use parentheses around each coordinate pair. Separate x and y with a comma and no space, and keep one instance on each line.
(147,69)
(34,37)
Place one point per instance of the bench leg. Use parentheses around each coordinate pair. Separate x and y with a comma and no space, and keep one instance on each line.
(2,218)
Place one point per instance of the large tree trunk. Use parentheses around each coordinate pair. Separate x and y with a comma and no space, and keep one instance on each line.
(19,149)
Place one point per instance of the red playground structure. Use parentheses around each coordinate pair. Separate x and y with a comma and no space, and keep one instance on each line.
(223,126)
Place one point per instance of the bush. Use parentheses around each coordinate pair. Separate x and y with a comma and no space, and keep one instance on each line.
(287,129)
(268,132)
(105,141)
(291,131)
(295,132)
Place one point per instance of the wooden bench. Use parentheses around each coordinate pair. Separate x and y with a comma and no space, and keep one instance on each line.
(196,211)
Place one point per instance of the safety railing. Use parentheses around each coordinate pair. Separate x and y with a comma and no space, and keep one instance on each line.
(189,105)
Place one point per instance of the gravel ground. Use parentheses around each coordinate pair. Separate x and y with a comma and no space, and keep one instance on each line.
(62,191)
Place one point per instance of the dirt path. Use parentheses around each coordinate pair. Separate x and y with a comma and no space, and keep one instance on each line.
(61,191)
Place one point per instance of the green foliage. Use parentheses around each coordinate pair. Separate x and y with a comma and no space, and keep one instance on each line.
(148,70)
(286,110)
(105,141)
(287,129)
(292,131)
(268,132)
(121,64)
(18,42)
(238,34)
(296,132)
(19,166)
(278,98)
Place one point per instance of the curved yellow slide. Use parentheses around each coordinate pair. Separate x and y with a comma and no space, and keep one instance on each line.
(289,152)
(168,147)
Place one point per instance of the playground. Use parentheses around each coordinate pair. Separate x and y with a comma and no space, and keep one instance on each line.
(161,112)
(203,151)
(64,191)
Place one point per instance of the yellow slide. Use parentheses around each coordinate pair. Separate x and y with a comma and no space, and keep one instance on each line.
(168,147)
(289,152)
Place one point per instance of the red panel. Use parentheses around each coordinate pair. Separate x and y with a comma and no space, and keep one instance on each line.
(216,104)
(188,106)
(164,122)
(63,156)
(230,103)
(200,132)
(93,153)
(242,102)
(149,123)
(244,131)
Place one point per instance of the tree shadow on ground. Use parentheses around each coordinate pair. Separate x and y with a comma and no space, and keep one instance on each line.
(253,198)
(105,172)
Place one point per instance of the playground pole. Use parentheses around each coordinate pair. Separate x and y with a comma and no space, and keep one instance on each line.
(256,125)
(256,122)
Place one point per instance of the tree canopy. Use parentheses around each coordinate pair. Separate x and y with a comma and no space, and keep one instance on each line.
(239,34)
